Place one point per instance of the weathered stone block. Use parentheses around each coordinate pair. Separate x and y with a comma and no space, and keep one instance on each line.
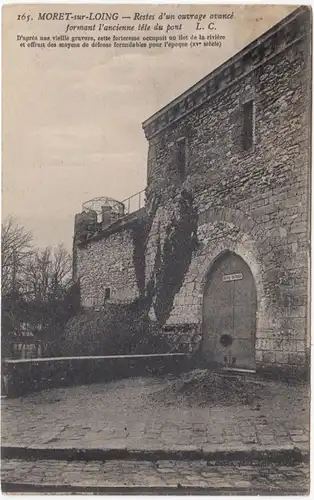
(259,355)
(281,357)
(269,357)
(297,358)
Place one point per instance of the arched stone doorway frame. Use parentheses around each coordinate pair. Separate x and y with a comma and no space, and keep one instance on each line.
(246,249)
(229,314)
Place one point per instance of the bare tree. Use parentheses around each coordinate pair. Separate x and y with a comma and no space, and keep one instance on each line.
(61,268)
(47,273)
(36,289)
(16,247)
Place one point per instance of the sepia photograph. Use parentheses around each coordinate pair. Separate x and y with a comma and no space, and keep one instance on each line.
(155,249)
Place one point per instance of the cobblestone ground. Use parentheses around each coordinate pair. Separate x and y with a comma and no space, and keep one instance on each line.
(167,475)
(121,414)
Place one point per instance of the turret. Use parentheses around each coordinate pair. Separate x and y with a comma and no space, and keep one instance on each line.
(84,222)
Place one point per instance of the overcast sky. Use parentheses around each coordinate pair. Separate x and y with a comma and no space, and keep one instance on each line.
(72,118)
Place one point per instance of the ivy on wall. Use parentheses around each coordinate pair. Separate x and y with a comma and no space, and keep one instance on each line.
(175,257)
(96,332)
(172,260)
(140,234)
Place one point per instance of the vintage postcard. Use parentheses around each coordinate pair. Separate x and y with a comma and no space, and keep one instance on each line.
(156,248)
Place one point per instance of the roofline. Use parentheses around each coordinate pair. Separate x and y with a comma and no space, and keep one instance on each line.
(226,73)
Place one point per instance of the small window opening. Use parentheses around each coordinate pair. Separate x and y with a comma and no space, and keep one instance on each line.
(107,294)
(181,157)
(248,125)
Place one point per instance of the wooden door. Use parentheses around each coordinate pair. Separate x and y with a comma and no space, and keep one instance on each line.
(229,314)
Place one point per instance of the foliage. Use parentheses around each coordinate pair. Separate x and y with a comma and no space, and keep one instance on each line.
(118,329)
(173,258)
(47,273)
(16,247)
(37,295)
(140,233)
(180,241)
(126,329)
(38,291)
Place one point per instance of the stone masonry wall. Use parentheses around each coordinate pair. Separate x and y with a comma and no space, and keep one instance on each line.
(254,202)
(107,263)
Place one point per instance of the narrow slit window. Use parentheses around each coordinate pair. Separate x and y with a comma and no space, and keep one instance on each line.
(248,125)
(107,294)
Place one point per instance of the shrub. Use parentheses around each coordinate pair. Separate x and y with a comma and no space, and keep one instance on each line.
(117,329)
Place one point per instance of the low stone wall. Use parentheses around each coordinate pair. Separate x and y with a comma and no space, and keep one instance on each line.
(22,376)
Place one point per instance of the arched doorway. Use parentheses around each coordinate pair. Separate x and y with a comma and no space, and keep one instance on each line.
(229,313)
